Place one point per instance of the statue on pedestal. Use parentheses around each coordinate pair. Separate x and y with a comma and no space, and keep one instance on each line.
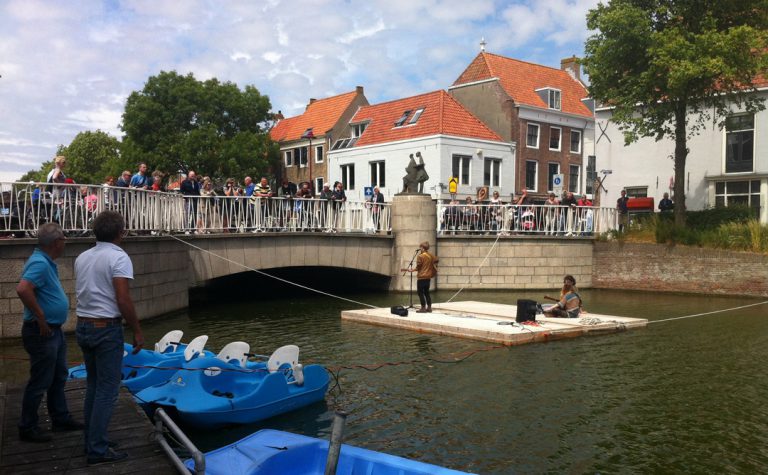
(416,175)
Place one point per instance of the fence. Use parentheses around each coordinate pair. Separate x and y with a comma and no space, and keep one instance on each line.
(499,218)
(25,206)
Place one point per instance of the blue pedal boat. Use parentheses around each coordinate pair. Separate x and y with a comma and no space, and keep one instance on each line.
(268,452)
(146,367)
(227,390)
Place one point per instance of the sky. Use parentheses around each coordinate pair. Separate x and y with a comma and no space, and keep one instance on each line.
(68,66)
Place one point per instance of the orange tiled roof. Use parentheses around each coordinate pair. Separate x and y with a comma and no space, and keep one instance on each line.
(521,79)
(320,115)
(442,115)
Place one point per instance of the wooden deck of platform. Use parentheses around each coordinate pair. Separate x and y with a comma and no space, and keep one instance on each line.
(493,323)
(130,427)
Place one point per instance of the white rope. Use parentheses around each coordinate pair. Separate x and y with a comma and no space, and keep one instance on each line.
(493,246)
(708,313)
(272,276)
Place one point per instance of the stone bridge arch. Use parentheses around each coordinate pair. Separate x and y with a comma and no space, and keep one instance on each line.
(211,257)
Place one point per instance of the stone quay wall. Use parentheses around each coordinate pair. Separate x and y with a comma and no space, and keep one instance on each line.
(160,285)
(662,268)
(520,263)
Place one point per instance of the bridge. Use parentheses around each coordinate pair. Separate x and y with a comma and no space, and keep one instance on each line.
(177,243)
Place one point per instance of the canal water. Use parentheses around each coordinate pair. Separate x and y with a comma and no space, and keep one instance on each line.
(684,396)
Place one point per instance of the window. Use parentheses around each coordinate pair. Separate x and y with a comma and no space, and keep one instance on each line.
(575,141)
(416,115)
(573,178)
(492,172)
(460,168)
(637,191)
(344,143)
(300,156)
(358,129)
(552,170)
(319,154)
(591,175)
(348,176)
(555,134)
(319,182)
(531,167)
(378,174)
(289,158)
(729,193)
(399,122)
(739,143)
(554,99)
(532,139)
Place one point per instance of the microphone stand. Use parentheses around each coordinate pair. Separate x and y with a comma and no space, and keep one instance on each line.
(410,266)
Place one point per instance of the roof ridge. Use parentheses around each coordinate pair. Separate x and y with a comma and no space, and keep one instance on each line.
(403,98)
(523,61)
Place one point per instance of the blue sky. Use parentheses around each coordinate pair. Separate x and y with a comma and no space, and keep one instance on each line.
(68,66)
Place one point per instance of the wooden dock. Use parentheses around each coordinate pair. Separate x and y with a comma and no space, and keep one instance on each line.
(130,427)
(493,323)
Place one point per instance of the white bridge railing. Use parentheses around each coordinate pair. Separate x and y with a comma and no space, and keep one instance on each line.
(504,219)
(25,206)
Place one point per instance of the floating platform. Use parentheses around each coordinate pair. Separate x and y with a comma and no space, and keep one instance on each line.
(493,322)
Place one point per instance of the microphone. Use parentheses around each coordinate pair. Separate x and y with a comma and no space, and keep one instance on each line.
(418,250)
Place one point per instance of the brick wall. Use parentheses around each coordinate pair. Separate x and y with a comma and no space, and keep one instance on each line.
(662,268)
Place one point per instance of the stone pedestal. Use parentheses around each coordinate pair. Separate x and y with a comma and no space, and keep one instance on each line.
(413,222)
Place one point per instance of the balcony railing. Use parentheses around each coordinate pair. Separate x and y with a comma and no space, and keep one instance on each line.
(504,219)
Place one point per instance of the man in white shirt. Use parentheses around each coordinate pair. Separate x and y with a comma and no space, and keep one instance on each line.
(102,275)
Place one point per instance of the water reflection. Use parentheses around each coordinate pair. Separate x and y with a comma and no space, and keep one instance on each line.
(678,397)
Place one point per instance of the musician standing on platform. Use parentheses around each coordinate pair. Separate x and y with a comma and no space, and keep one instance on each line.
(426,269)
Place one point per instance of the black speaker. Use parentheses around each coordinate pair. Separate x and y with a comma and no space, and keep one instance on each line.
(399,310)
(526,310)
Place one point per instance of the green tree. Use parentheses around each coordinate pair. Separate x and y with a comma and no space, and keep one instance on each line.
(670,67)
(91,156)
(179,123)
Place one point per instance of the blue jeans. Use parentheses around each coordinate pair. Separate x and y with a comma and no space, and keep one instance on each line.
(47,374)
(103,356)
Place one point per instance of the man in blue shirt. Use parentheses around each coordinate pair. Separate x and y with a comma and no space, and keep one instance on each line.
(141,179)
(45,310)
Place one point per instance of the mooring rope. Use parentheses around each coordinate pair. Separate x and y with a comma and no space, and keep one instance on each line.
(286,281)
(708,313)
(469,281)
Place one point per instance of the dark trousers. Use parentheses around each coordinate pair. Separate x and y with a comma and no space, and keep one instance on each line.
(422,288)
(47,374)
(103,355)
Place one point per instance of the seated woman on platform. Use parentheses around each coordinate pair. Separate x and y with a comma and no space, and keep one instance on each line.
(569,305)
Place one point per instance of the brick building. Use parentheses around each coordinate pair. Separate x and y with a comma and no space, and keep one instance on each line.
(306,139)
(546,111)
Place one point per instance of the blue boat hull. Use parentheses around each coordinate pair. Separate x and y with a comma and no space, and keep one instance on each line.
(143,369)
(268,452)
(210,393)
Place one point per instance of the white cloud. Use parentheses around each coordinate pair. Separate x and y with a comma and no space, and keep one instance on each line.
(69,66)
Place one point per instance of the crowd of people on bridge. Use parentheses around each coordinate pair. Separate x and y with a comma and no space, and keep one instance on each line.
(226,206)
(567,215)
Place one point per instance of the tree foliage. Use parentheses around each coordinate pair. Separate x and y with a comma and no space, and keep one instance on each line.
(179,123)
(670,67)
(91,156)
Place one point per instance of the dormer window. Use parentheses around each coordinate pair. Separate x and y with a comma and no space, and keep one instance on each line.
(416,115)
(551,97)
(358,129)
(554,99)
(399,122)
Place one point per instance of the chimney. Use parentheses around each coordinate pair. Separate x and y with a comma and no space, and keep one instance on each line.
(278,117)
(572,67)
(311,101)
(359,89)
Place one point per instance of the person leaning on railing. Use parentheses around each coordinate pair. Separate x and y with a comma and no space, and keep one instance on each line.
(190,188)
